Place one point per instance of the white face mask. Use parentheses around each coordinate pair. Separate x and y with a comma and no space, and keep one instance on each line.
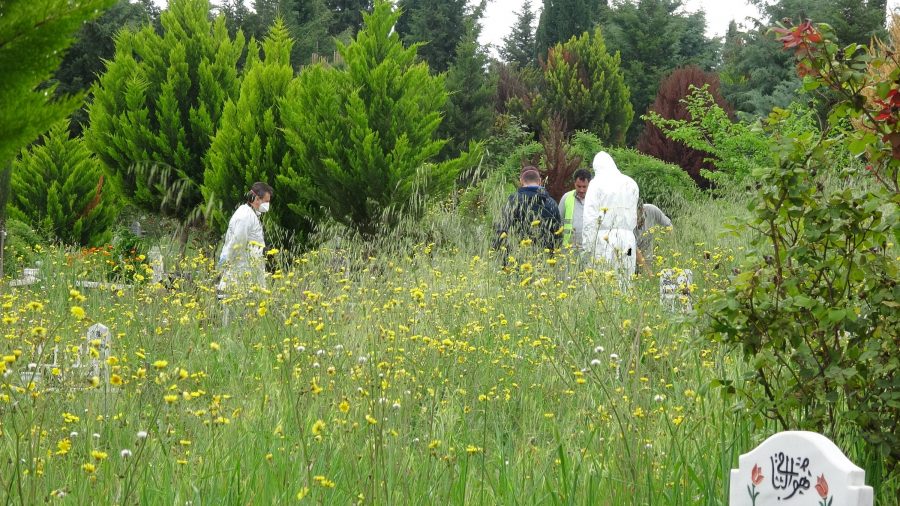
(264,207)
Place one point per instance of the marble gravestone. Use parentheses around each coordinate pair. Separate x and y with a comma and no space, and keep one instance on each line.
(675,289)
(798,468)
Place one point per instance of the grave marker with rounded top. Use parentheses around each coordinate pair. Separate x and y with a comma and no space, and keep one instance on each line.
(798,468)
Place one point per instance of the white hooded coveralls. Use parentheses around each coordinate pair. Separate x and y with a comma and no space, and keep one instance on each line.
(242,254)
(610,216)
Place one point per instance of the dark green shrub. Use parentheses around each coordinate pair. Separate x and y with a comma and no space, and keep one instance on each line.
(60,189)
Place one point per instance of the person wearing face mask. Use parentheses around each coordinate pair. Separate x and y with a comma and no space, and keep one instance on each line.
(242,261)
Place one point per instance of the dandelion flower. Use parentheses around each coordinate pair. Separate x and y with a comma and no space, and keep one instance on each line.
(318,427)
(99,455)
(344,406)
(77,312)
(160,364)
(302,493)
(371,419)
(63,446)
(89,468)
(214,346)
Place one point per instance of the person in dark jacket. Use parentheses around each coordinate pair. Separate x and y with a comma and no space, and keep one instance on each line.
(530,216)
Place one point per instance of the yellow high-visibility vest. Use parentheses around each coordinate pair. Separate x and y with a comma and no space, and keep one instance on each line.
(568,201)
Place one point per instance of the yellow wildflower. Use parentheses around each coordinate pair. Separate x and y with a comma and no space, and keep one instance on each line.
(77,312)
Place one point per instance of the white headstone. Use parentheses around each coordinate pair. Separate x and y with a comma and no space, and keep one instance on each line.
(675,289)
(798,468)
(91,365)
(156,263)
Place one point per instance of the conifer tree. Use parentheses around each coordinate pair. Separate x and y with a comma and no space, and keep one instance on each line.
(585,86)
(307,22)
(249,145)
(653,37)
(59,187)
(347,16)
(363,135)
(159,103)
(469,109)
(519,46)
(563,19)
(33,37)
(439,25)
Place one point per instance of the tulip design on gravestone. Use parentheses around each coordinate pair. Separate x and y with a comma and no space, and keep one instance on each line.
(822,489)
(756,477)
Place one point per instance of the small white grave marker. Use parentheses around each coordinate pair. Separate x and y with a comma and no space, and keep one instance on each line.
(157,264)
(675,289)
(798,468)
(91,365)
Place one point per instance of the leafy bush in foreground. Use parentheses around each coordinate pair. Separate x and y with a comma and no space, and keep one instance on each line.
(814,307)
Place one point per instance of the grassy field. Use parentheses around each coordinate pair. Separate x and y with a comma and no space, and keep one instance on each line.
(421,374)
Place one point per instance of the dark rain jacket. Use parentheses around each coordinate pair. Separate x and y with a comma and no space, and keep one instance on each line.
(530,213)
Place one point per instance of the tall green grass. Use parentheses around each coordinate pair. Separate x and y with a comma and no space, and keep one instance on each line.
(439,378)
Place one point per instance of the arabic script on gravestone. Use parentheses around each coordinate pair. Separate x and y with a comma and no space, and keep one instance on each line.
(790,474)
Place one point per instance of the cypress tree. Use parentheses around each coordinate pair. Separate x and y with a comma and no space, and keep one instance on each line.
(563,19)
(439,25)
(470,107)
(363,135)
(159,103)
(33,37)
(347,16)
(585,86)
(307,22)
(519,47)
(59,187)
(249,145)
(654,37)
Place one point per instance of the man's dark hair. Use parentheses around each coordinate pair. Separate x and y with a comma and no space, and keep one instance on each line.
(258,189)
(530,175)
(583,174)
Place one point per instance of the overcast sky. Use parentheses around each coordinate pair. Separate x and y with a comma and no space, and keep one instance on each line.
(501,14)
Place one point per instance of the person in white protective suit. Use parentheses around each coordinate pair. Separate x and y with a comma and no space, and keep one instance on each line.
(242,261)
(610,217)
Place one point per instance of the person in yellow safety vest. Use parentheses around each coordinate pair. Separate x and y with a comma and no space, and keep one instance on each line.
(571,209)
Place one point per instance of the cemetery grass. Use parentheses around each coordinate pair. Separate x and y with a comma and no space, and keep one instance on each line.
(417,373)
